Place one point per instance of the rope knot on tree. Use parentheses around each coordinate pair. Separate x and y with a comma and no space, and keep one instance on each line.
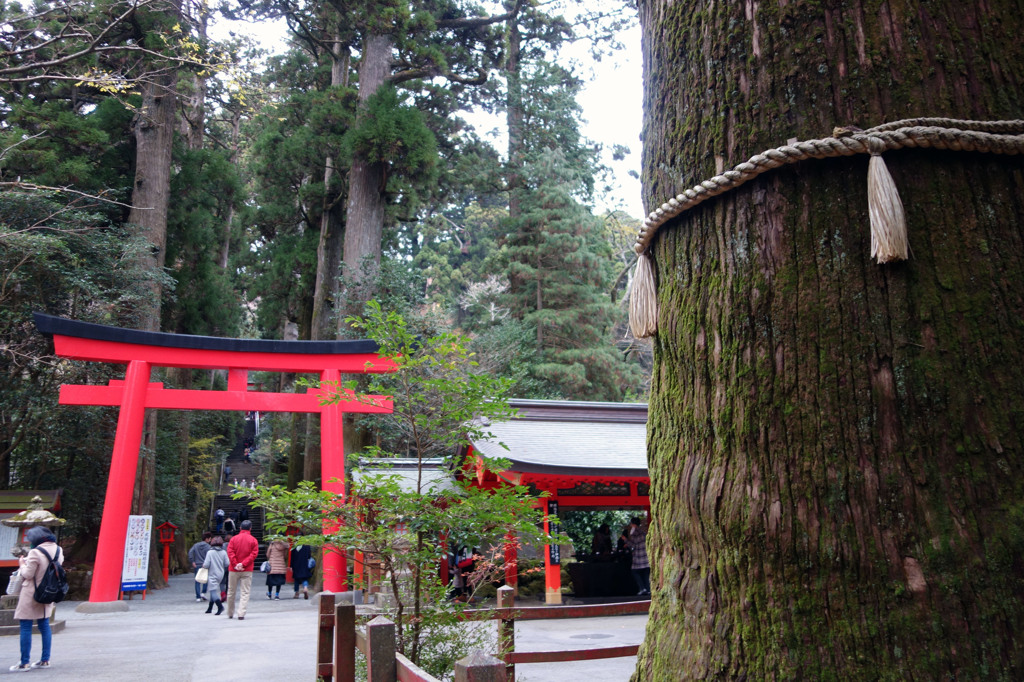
(889,241)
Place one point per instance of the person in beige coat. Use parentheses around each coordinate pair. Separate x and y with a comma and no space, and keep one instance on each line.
(277,557)
(31,568)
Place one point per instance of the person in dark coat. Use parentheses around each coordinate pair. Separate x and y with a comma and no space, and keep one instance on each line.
(601,545)
(196,557)
(302,572)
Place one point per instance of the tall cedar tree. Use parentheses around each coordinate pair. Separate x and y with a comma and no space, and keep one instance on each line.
(835,446)
(560,269)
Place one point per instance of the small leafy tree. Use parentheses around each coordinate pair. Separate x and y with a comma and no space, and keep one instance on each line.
(401,523)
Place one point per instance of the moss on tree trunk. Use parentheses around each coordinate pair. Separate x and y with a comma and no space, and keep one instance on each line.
(835,446)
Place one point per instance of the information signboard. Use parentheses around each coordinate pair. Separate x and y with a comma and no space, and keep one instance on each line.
(554,528)
(136,553)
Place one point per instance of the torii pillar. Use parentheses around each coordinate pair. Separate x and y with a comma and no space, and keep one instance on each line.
(141,351)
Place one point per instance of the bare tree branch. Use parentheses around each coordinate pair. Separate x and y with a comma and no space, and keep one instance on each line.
(68,190)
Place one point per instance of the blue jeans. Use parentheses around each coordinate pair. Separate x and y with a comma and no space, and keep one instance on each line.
(26,639)
(199,592)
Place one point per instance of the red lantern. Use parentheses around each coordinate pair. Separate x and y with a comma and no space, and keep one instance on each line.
(166,538)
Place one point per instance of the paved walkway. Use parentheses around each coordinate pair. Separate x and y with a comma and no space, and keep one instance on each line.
(169,638)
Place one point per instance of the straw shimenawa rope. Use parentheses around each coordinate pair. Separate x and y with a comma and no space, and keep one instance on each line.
(888,225)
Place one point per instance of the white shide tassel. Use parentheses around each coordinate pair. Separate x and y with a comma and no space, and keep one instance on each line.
(643,300)
(888,223)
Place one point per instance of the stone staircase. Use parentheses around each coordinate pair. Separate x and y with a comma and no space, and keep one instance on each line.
(247,472)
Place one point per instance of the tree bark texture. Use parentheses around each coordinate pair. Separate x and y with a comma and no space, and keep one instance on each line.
(514,116)
(364,221)
(329,254)
(153,129)
(835,446)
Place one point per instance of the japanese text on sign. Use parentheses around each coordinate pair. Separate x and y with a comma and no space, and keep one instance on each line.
(136,553)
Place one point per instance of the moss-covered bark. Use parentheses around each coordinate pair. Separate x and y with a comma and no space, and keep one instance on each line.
(835,446)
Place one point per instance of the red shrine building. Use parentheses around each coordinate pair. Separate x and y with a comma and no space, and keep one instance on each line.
(586,455)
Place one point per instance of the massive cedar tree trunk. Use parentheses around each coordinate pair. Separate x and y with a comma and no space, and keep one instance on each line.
(835,446)
(329,253)
(154,136)
(364,221)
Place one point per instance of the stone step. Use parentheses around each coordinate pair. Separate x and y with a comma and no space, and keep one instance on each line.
(55,626)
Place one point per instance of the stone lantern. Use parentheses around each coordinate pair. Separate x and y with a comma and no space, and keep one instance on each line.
(35,515)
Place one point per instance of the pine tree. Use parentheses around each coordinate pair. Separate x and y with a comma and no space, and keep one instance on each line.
(560,267)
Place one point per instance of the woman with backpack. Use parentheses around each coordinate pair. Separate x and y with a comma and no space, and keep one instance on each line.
(32,568)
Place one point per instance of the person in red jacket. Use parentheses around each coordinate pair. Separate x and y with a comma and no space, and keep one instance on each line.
(242,551)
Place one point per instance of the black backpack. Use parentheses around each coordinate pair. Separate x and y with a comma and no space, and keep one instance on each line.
(53,586)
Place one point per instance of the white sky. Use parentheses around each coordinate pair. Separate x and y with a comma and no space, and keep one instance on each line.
(611,101)
(613,108)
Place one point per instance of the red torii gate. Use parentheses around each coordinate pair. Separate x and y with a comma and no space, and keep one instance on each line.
(142,350)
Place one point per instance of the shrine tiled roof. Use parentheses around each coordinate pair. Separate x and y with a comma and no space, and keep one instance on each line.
(434,476)
(570,437)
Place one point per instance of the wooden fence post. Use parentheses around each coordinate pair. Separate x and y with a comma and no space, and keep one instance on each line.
(507,630)
(325,640)
(479,667)
(380,643)
(345,642)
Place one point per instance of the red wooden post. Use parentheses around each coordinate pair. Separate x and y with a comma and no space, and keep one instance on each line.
(479,667)
(325,639)
(345,642)
(166,568)
(507,630)
(552,558)
(511,561)
(380,645)
(106,572)
(165,536)
(332,474)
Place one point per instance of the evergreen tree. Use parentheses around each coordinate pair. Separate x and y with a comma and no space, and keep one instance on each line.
(560,268)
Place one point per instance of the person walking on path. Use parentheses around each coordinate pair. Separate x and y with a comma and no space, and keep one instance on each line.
(277,556)
(216,563)
(218,518)
(636,540)
(196,557)
(302,571)
(31,568)
(242,551)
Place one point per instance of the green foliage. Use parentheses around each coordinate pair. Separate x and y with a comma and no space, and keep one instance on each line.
(560,269)
(398,523)
(62,261)
(580,526)
(441,403)
(394,133)
(198,234)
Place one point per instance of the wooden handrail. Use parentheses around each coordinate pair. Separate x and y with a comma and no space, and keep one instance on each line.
(410,672)
(572,654)
(552,612)
(404,670)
